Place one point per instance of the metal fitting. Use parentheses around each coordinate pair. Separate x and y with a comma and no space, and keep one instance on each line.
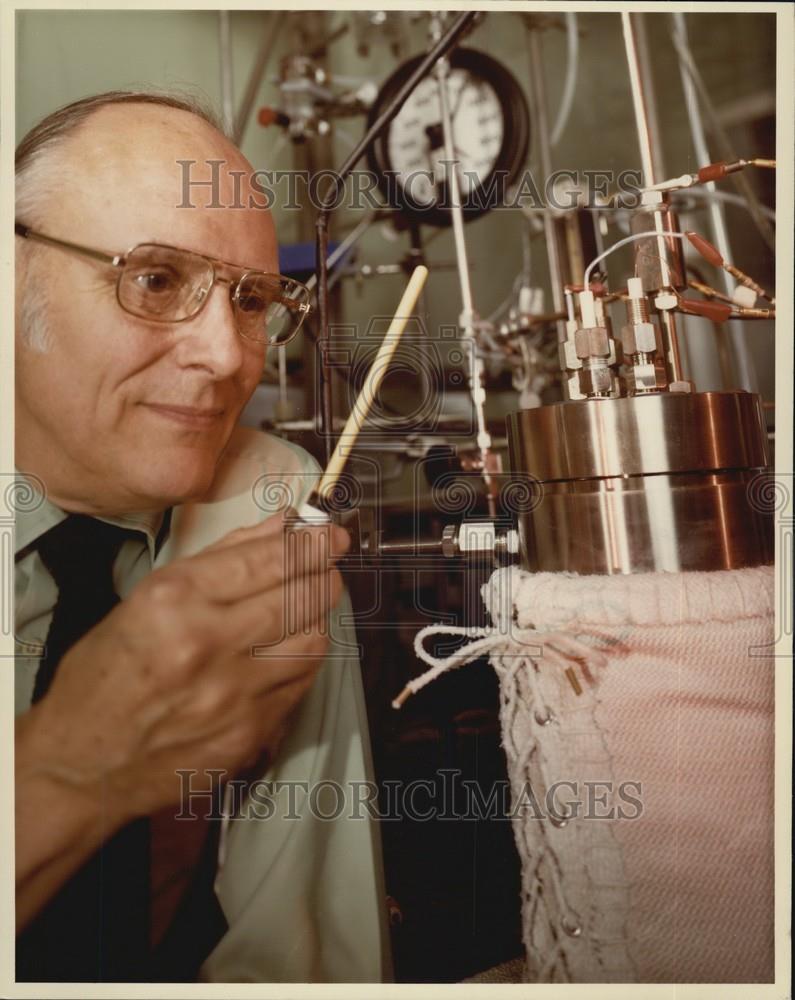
(474,538)
(567,355)
(645,377)
(592,342)
(639,338)
(596,382)
(665,300)
(450,541)
(571,387)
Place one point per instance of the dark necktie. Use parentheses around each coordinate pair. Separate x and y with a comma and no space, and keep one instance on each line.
(96,928)
(79,554)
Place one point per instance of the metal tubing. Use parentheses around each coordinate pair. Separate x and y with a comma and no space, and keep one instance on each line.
(741,356)
(227,90)
(640,103)
(456,212)
(467,319)
(539,103)
(273,27)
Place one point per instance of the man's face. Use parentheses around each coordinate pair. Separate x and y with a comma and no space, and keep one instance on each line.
(121,413)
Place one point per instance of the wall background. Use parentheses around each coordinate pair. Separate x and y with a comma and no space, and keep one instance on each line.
(65,55)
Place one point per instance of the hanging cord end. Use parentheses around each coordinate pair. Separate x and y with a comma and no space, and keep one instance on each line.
(404,695)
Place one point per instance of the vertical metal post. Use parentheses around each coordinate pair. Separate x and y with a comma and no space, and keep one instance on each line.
(227,87)
(644,125)
(539,105)
(468,316)
(743,362)
(274,22)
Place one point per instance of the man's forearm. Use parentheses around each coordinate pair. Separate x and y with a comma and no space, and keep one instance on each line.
(58,826)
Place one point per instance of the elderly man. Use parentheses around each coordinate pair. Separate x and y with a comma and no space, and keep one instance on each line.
(142,326)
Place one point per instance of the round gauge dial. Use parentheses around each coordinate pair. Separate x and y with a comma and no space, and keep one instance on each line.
(490,137)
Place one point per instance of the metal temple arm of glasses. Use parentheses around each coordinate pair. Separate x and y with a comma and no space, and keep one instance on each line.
(300,307)
(106,258)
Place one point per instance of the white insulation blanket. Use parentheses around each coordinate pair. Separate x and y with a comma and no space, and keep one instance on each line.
(637,720)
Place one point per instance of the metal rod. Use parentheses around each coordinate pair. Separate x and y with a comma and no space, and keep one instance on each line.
(273,27)
(456,211)
(649,96)
(445,43)
(745,372)
(640,104)
(539,104)
(350,240)
(467,320)
(227,89)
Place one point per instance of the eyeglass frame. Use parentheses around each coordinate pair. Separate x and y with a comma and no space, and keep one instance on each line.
(120,260)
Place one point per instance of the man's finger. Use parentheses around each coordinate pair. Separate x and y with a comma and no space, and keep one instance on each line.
(260,563)
(300,605)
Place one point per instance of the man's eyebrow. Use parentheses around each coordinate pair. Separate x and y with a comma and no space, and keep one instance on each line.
(242,268)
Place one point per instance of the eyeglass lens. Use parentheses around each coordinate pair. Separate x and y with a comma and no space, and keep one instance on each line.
(169,285)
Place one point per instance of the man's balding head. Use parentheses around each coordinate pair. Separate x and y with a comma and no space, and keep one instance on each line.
(107,408)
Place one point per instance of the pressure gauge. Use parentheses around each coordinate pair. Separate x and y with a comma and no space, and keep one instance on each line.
(490,138)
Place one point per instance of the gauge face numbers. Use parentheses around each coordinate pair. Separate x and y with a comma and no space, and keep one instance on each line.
(490,138)
(416,139)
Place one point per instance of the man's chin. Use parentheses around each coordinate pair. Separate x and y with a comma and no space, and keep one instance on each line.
(169,483)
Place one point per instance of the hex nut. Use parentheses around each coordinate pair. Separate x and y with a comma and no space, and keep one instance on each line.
(450,541)
(592,342)
(568,356)
(665,300)
(645,378)
(595,381)
(639,338)
(572,387)
(680,387)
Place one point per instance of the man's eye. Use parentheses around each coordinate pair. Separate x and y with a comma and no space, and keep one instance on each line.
(156,281)
(252,303)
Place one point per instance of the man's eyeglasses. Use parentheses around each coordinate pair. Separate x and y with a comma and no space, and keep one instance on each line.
(165,284)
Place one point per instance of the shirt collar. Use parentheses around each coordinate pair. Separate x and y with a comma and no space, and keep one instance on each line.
(35,514)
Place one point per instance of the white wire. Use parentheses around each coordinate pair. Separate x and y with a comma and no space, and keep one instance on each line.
(506,301)
(570,85)
(621,243)
(734,199)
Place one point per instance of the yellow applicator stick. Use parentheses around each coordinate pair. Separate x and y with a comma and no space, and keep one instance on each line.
(378,369)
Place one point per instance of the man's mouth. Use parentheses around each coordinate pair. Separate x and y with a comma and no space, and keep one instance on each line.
(188,416)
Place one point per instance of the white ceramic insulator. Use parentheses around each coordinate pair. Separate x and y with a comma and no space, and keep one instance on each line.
(587,310)
(635,288)
(744,297)
(476,536)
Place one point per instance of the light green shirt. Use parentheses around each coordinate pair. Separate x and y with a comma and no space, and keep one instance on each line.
(303,895)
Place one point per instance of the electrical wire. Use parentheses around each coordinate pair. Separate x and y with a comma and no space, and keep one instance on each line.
(627,239)
(754,205)
(727,196)
(570,84)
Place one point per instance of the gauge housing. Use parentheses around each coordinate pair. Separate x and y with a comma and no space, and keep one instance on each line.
(508,159)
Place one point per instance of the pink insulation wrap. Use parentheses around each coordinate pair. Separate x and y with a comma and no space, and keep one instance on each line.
(671,738)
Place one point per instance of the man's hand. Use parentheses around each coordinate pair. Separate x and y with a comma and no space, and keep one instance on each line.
(200,668)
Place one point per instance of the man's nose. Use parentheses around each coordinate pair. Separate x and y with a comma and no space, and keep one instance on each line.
(211,340)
